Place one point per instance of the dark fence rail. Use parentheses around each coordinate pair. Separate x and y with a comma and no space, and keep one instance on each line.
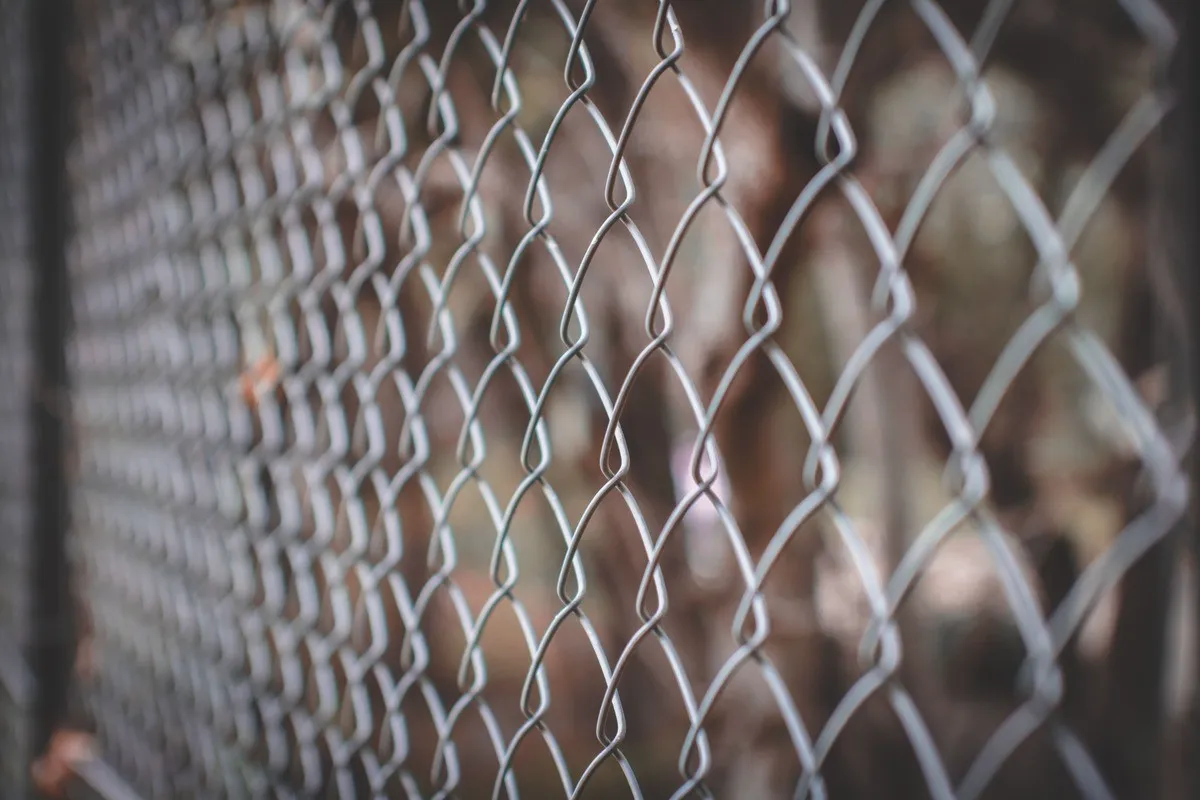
(597,399)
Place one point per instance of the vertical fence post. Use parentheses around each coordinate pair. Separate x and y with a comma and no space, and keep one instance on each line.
(1189,284)
(1181,179)
(51,636)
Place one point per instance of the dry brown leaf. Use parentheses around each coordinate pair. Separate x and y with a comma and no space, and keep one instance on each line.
(259,378)
(68,748)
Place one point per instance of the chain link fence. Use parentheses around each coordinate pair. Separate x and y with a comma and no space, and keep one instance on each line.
(598,399)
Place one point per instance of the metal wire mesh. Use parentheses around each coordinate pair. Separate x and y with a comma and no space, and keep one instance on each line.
(566,398)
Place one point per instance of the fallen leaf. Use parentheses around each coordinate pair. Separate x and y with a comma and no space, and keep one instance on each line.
(67,749)
(258,379)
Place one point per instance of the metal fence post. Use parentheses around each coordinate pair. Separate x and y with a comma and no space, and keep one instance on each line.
(51,640)
(1178,180)
(1189,285)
